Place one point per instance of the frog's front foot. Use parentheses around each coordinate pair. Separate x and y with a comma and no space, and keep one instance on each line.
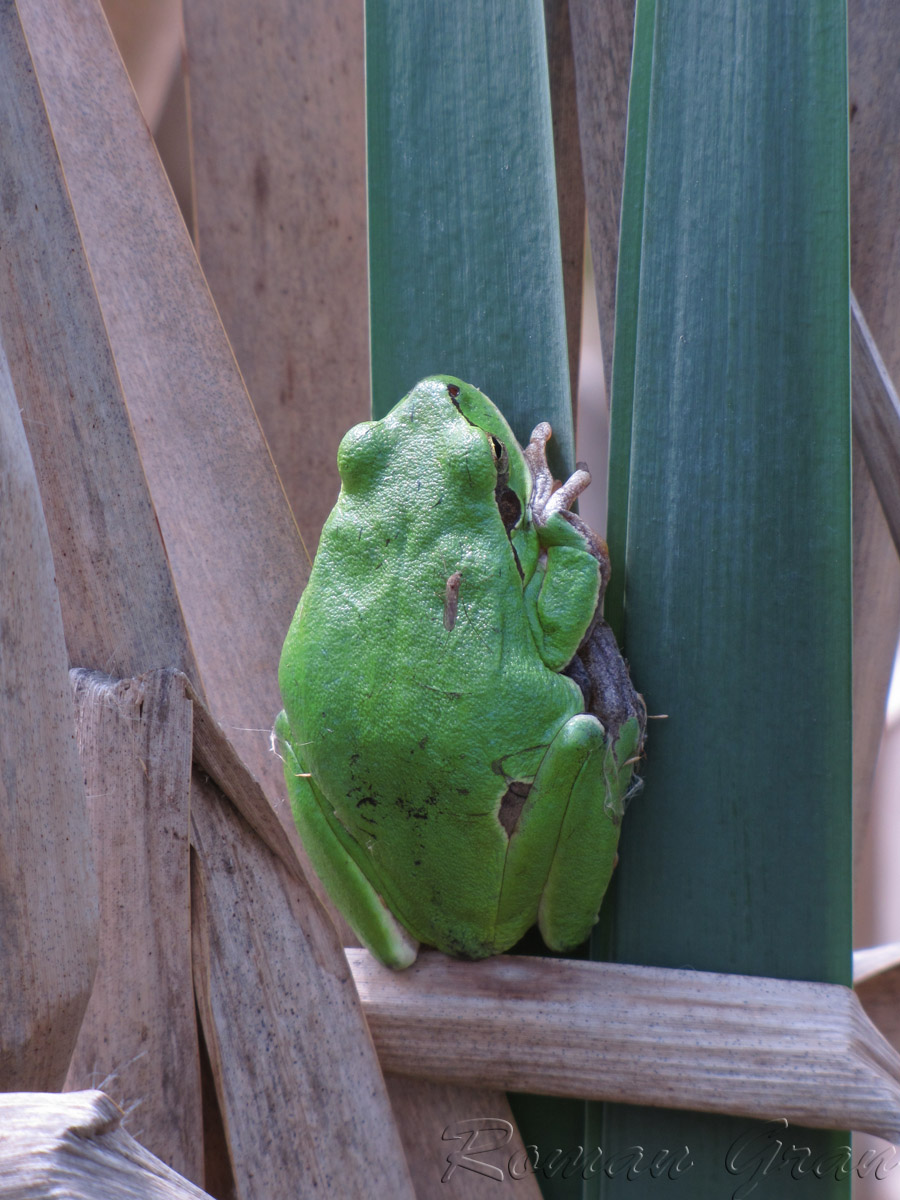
(549,497)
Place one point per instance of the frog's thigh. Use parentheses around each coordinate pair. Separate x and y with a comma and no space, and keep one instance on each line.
(346,884)
(561,852)
(586,851)
(571,826)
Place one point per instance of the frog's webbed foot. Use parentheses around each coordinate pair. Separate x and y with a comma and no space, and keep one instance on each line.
(548,497)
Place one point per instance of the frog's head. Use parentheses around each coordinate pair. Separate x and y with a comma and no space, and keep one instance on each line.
(513,475)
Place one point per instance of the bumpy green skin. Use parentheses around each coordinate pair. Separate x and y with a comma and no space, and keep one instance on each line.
(401,736)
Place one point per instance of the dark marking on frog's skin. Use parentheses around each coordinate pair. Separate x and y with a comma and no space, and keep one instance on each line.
(440,691)
(518,564)
(510,507)
(367,800)
(512,804)
(497,765)
(419,814)
(423,742)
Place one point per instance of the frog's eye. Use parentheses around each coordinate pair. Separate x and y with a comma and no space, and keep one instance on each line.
(453,390)
(501,460)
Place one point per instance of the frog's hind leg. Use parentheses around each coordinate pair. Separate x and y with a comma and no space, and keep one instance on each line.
(347,885)
(562,845)
(597,776)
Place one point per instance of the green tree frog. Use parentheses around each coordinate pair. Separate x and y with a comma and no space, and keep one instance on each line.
(459,728)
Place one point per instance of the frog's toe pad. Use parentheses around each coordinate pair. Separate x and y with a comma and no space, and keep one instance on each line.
(387,940)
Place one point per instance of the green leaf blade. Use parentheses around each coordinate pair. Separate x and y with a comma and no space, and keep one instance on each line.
(730,517)
(738,535)
(465,269)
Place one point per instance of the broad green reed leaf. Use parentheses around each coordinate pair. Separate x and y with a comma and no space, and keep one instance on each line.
(465,272)
(465,275)
(730,520)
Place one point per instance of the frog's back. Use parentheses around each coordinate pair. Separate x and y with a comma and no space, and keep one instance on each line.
(416,705)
